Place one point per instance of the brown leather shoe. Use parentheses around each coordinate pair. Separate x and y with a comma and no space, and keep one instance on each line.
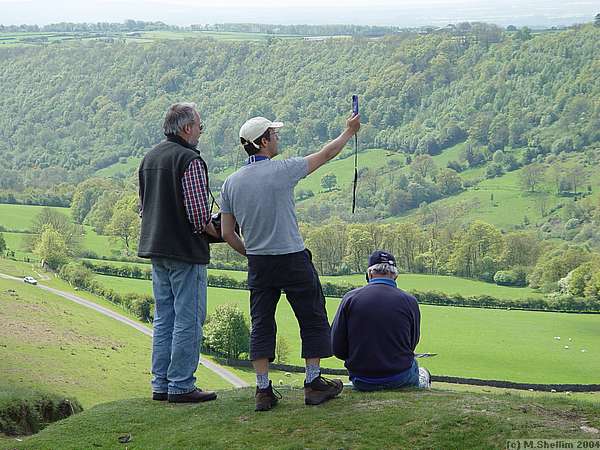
(266,398)
(195,396)
(321,389)
(160,396)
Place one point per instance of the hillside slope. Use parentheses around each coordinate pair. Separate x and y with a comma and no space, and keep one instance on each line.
(407,419)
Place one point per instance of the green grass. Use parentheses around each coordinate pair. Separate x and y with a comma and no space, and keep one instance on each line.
(20,217)
(451,285)
(24,38)
(510,205)
(409,419)
(119,168)
(224,35)
(16,242)
(408,281)
(344,168)
(470,342)
(102,246)
(50,343)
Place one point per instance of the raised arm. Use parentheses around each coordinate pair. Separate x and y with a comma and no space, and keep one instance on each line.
(333,148)
(229,235)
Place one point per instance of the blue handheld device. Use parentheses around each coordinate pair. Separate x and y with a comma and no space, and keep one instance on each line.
(355,104)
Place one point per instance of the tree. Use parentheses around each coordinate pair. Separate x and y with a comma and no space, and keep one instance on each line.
(327,244)
(86,195)
(449,182)
(405,240)
(2,245)
(51,248)
(70,233)
(125,226)
(520,249)
(282,350)
(102,211)
(476,249)
(226,331)
(423,165)
(125,222)
(359,245)
(574,175)
(531,175)
(597,20)
(329,182)
(555,176)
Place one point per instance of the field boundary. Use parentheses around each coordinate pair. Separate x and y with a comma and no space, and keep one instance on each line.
(437,378)
(432,298)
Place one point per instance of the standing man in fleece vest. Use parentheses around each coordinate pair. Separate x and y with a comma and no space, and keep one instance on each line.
(260,197)
(175,215)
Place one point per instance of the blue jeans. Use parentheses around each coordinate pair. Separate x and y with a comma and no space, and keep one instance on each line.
(408,378)
(179,313)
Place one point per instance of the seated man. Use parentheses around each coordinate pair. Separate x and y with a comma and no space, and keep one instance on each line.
(376,330)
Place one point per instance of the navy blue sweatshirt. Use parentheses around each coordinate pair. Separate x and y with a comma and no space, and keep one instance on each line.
(376,330)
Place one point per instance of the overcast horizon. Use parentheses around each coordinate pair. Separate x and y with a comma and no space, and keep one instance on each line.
(378,12)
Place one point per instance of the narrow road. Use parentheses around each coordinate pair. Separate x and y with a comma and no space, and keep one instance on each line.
(219,370)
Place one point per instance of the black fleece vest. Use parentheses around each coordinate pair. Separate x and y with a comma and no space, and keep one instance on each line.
(166,231)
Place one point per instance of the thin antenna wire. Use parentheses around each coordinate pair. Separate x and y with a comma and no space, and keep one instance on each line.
(355,172)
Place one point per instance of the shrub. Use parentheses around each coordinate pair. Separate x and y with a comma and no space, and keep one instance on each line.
(141,306)
(510,278)
(227,332)
(76,274)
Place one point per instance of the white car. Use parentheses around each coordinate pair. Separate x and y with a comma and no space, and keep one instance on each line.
(30,280)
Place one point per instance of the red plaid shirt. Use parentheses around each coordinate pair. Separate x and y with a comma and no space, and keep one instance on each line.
(195,195)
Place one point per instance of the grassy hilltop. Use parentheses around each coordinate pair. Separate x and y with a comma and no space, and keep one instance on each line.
(408,419)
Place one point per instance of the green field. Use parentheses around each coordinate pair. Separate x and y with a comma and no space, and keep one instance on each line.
(43,38)
(440,283)
(20,217)
(119,168)
(343,169)
(478,343)
(50,343)
(219,35)
(407,281)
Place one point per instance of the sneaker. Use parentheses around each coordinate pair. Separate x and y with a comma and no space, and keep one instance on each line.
(195,396)
(321,389)
(160,396)
(266,398)
(424,378)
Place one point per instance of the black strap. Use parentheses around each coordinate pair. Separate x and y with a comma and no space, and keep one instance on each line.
(214,201)
(355,172)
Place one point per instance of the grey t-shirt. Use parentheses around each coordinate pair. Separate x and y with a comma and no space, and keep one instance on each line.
(261,198)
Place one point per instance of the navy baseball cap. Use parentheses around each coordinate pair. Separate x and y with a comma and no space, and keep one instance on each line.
(380,257)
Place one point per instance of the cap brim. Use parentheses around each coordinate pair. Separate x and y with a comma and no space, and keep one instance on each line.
(276,125)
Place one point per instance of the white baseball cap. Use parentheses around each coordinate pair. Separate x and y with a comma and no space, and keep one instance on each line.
(255,127)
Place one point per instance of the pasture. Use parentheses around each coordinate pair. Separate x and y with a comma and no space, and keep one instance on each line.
(441,283)
(477,343)
(120,169)
(51,343)
(20,217)
(409,282)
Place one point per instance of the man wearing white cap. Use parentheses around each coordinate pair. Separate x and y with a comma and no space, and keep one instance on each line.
(260,198)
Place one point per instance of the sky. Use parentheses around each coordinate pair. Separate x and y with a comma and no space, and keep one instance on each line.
(363,12)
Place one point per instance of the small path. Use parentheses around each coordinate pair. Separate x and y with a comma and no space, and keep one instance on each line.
(216,368)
